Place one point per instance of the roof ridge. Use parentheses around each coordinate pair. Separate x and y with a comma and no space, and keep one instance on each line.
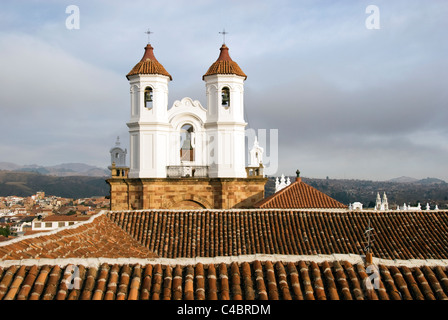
(52,232)
(319,258)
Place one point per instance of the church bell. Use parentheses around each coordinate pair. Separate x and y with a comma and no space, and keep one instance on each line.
(225,98)
(148,96)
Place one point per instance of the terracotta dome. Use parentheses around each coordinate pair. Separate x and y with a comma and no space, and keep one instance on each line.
(149,65)
(225,65)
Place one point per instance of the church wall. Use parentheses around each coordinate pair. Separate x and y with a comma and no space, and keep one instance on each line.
(213,193)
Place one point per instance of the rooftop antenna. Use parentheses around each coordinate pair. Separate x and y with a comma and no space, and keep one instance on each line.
(369,234)
(148,32)
(223,35)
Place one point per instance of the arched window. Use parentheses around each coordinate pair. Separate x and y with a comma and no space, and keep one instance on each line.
(187,143)
(225,94)
(148,97)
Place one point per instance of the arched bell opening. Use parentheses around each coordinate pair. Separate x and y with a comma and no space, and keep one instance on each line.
(187,143)
(225,97)
(148,98)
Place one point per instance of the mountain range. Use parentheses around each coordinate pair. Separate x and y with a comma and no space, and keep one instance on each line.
(60,170)
(413,180)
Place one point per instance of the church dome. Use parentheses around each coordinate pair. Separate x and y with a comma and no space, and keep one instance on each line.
(149,65)
(224,65)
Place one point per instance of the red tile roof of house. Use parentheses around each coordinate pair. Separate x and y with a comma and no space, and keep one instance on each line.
(224,65)
(138,255)
(266,280)
(149,65)
(95,238)
(212,233)
(299,195)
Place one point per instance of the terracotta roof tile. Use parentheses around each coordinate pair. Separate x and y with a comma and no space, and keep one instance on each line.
(146,283)
(174,234)
(212,283)
(95,238)
(274,280)
(224,65)
(149,65)
(299,195)
(200,282)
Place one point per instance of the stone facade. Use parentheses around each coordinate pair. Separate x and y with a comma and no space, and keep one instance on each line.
(185,193)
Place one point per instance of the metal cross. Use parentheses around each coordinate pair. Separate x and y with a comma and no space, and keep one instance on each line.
(149,34)
(223,35)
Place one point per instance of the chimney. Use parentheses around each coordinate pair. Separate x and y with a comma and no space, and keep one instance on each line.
(298,179)
(369,257)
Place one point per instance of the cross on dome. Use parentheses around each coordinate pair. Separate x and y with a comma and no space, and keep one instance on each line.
(223,35)
(148,32)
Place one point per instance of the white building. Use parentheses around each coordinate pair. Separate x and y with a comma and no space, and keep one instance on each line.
(56,221)
(381,204)
(187,139)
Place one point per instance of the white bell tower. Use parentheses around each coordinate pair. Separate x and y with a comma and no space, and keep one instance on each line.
(149,129)
(225,125)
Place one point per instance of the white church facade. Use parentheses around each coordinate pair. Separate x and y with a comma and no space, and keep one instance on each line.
(187,145)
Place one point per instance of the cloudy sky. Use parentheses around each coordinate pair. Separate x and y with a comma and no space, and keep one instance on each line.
(347,101)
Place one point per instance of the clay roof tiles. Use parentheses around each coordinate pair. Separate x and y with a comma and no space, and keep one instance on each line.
(299,195)
(149,65)
(212,233)
(97,237)
(302,280)
(224,65)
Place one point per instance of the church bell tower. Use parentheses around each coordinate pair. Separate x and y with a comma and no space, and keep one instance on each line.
(148,124)
(224,82)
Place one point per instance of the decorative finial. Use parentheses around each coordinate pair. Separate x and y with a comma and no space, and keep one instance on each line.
(117,143)
(223,35)
(298,173)
(149,34)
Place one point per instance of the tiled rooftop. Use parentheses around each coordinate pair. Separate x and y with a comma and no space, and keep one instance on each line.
(300,280)
(225,65)
(95,238)
(215,233)
(299,195)
(212,233)
(149,65)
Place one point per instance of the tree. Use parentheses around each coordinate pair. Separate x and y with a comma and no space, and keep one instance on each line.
(5,231)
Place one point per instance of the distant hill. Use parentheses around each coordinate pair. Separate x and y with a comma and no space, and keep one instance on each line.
(431,181)
(23,184)
(60,170)
(430,190)
(403,180)
(413,180)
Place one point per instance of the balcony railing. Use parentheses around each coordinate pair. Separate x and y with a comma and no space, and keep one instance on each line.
(186,171)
